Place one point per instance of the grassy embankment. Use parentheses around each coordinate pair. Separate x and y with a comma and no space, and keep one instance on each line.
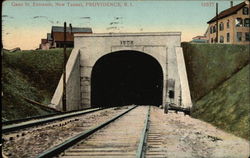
(219,83)
(29,74)
(218,77)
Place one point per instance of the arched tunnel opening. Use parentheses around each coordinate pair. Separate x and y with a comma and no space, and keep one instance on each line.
(125,78)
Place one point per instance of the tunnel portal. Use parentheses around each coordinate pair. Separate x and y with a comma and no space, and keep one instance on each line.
(126,77)
(115,69)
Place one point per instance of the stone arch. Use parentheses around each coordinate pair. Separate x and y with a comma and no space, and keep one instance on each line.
(88,48)
(126,77)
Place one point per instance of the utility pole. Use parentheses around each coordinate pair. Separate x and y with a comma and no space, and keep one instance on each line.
(64,70)
(217,27)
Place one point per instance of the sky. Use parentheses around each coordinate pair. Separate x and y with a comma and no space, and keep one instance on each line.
(25,22)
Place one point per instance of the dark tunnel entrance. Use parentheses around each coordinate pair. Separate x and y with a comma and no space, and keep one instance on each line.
(125,78)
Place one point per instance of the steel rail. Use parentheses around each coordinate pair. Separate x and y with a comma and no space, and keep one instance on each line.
(70,142)
(22,125)
(4,123)
(141,147)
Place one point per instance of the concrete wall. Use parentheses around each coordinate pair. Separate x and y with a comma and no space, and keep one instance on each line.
(162,46)
(184,85)
(73,81)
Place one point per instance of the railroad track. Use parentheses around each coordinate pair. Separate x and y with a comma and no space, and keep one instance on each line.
(4,123)
(11,126)
(154,146)
(30,142)
(129,131)
(122,136)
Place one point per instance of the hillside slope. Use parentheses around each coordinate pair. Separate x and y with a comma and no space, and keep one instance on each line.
(29,74)
(218,77)
(209,65)
(227,106)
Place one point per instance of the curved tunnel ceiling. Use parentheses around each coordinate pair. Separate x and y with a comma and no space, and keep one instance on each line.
(126,77)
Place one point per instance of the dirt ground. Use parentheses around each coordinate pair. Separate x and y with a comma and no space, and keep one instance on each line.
(178,136)
(171,135)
